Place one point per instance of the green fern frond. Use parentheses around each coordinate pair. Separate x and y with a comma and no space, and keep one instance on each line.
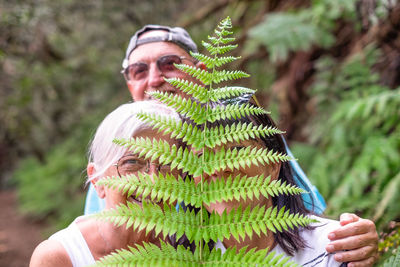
(179,158)
(208,78)
(213,62)
(243,187)
(238,223)
(185,107)
(149,148)
(150,255)
(199,114)
(224,75)
(123,184)
(167,188)
(228,92)
(171,189)
(201,138)
(237,132)
(203,95)
(218,50)
(276,188)
(192,89)
(157,188)
(223,31)
(226,23)
(233,111)
(164,124)
(215,48)
(200,74)
(220,40)
(189,134)
(151,217)
(252,258)
(238,158)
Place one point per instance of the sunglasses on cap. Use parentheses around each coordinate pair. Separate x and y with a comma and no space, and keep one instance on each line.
(165,64)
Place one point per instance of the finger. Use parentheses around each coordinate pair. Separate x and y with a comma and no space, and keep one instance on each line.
(365,263)
(353,242)
(346,218)
(362,226)
(360,254)
(348,244)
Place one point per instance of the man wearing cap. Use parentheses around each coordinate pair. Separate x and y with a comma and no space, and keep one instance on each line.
(150,57)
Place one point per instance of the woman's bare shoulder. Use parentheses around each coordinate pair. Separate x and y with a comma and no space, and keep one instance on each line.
(50,253)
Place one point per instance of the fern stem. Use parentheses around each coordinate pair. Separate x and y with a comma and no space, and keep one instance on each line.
(203,148)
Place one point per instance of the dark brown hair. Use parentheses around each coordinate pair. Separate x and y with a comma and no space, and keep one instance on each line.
(290,241)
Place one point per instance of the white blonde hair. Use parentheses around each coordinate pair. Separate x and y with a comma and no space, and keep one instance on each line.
(121,123)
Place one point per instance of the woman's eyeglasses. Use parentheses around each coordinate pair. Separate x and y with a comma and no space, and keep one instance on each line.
(131,164)
(165,64)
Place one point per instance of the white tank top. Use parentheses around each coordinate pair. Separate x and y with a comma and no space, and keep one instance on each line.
(75,245)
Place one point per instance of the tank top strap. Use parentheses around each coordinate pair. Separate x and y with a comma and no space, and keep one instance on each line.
(75,244)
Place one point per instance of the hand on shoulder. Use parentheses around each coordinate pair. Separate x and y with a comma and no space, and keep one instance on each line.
(356,241)
(50,253)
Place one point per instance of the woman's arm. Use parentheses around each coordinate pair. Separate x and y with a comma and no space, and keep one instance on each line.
(50,253)
(359,237)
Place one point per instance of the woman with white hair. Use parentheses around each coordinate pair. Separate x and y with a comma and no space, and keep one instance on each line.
(86,239)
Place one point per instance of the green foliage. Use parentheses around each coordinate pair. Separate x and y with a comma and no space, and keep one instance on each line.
(181,257)
(288,32)
(285,32)
(44,187)
(48,180)
(171,189)
(392,241)
(52,76)
(59,65)
(59,61)
(393,261)
(389,243)
(215,136)
(53,189)
(357,138)
(201,226)
(42,76)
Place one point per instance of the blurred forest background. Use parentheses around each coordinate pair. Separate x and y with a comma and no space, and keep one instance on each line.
(328,70)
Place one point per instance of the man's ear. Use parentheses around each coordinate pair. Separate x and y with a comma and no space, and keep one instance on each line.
(201,65)
(91,170)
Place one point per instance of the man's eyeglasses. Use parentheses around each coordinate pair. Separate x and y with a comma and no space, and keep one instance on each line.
(132,164)
(165,64)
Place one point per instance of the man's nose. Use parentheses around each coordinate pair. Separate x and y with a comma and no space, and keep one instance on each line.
(156,77)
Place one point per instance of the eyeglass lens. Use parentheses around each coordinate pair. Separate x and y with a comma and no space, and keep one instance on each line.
(132,165)
(165,64)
